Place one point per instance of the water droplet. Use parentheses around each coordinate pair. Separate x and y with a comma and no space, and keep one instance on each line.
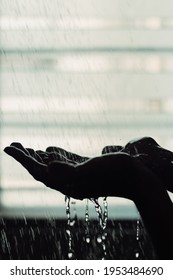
(72,223)
(70,255)
(103,217)
(105,212)
(87,234)
(87,211)
(137,236)
(99,239)
(68,231)
(74,210)
(67,202)
(137,230)
(87,239)
(98,211)
(104,235)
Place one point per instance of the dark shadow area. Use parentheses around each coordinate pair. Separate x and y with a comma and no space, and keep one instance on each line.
(47,239)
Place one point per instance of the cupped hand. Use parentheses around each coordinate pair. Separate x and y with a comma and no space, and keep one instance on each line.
(53,167)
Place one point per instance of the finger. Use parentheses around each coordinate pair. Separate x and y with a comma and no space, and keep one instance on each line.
(32,153)
(56,153)
(111,149)
(57,150)
(53,149)
(70,156)
(57,156)
(36,169)
(19,146)
(47,157)
(35,154)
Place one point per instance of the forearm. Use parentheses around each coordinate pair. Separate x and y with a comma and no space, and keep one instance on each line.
(156,210)
(158,223)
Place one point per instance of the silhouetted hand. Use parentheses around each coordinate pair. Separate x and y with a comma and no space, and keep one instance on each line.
(110,174)
(74,175)
(41,165)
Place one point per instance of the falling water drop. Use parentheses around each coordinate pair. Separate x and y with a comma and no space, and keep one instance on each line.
(74,219)
(87,235)
(70,255)
(99,239)
(98,211)
(87,212)
(103,217)
(87,240)
(67,202)
(68,230)
(137,238)
(137,230)
(5,241)
(105,212)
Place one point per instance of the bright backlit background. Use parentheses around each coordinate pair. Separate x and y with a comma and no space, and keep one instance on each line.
(81,75)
